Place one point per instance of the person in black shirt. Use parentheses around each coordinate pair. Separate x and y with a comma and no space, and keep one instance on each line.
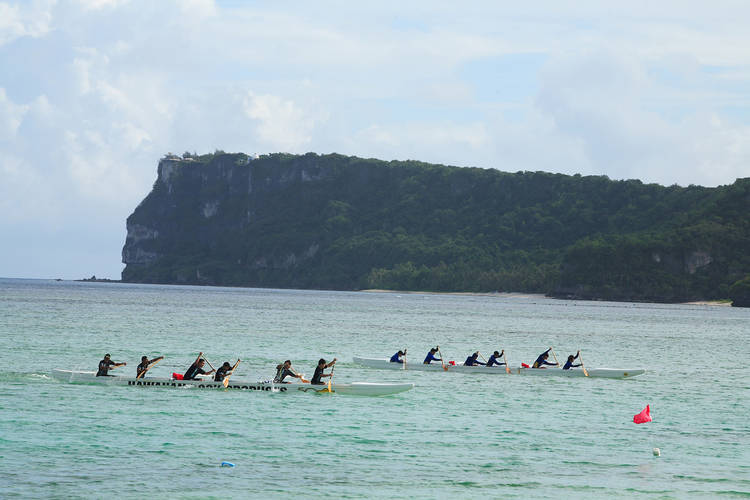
(107,364)
(569,363)
(145,365)
(222,371)
(541,360)
(322,365)
(494,359)
(472,360)
(285,370)
(196,369)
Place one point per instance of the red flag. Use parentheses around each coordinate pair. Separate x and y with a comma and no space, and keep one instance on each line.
(644,416)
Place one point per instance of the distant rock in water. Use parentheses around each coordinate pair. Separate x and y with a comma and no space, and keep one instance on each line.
(94,279)
(337,222)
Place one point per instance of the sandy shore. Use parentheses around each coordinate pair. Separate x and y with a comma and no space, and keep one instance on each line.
(505,295)
(709,303)
(515,295)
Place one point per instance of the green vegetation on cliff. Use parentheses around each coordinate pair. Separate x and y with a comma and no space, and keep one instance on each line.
(337,222)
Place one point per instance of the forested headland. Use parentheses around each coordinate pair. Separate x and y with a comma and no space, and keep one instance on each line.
(348,223)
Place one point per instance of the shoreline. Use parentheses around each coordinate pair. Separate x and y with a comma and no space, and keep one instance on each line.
(504,295)
(520,295)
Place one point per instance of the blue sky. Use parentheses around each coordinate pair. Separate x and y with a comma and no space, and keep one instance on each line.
(94,92)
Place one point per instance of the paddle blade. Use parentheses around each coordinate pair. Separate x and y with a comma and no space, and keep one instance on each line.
(644,416)
(225,382)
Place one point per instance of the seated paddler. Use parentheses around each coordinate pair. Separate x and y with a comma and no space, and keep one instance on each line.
(569,363)
(396,358)
(146,364)
(495,358)
(472,360)
(197,369)
(222,372)
(107,364)
(322,365)
(541,360)
(285,370)
(431,356)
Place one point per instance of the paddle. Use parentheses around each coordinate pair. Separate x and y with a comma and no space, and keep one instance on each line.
(300,377)
(507,368)
(585,371)
(140,375)
(404,367)
(209,364)
(485,359)
(226,379)
(555,356)
(330,379)
(445,368)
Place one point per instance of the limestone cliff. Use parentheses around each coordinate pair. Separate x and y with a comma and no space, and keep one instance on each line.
(337,222)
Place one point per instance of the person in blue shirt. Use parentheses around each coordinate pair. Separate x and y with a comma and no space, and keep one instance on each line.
(472,360)
(569,363)
(542,360)
(431,357)
(493,361)
(396,358)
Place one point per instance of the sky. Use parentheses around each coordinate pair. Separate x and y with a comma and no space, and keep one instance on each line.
(94,92)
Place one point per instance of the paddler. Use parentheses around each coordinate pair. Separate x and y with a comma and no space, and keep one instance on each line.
(145,365)
(196,369)
(224,370)
(493,361)
(569,363)
(431,356)
(472,360)
(285,370)
(107,364)
(396,358)
(542,360)
(322,365)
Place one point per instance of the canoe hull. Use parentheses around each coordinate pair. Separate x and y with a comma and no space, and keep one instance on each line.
(353,388)
(386,364)
(500,370)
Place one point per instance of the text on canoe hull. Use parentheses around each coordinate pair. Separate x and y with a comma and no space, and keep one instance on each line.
(206,386)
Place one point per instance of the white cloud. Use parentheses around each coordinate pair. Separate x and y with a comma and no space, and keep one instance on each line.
(281,124)
(11,116)
(100,89)
(27,19)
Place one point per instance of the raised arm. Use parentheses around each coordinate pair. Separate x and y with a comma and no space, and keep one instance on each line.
(155,360)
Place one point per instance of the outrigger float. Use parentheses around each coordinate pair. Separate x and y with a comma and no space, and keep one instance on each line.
(353,388)
(500,370)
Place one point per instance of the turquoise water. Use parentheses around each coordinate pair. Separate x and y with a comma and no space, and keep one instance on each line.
(453,435)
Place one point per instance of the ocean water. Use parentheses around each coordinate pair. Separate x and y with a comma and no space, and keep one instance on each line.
(454,435)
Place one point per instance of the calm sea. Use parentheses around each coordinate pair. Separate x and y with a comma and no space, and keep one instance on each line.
(454,435)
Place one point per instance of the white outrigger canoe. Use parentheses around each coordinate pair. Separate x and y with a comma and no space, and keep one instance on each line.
(500,370)
(354,388)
